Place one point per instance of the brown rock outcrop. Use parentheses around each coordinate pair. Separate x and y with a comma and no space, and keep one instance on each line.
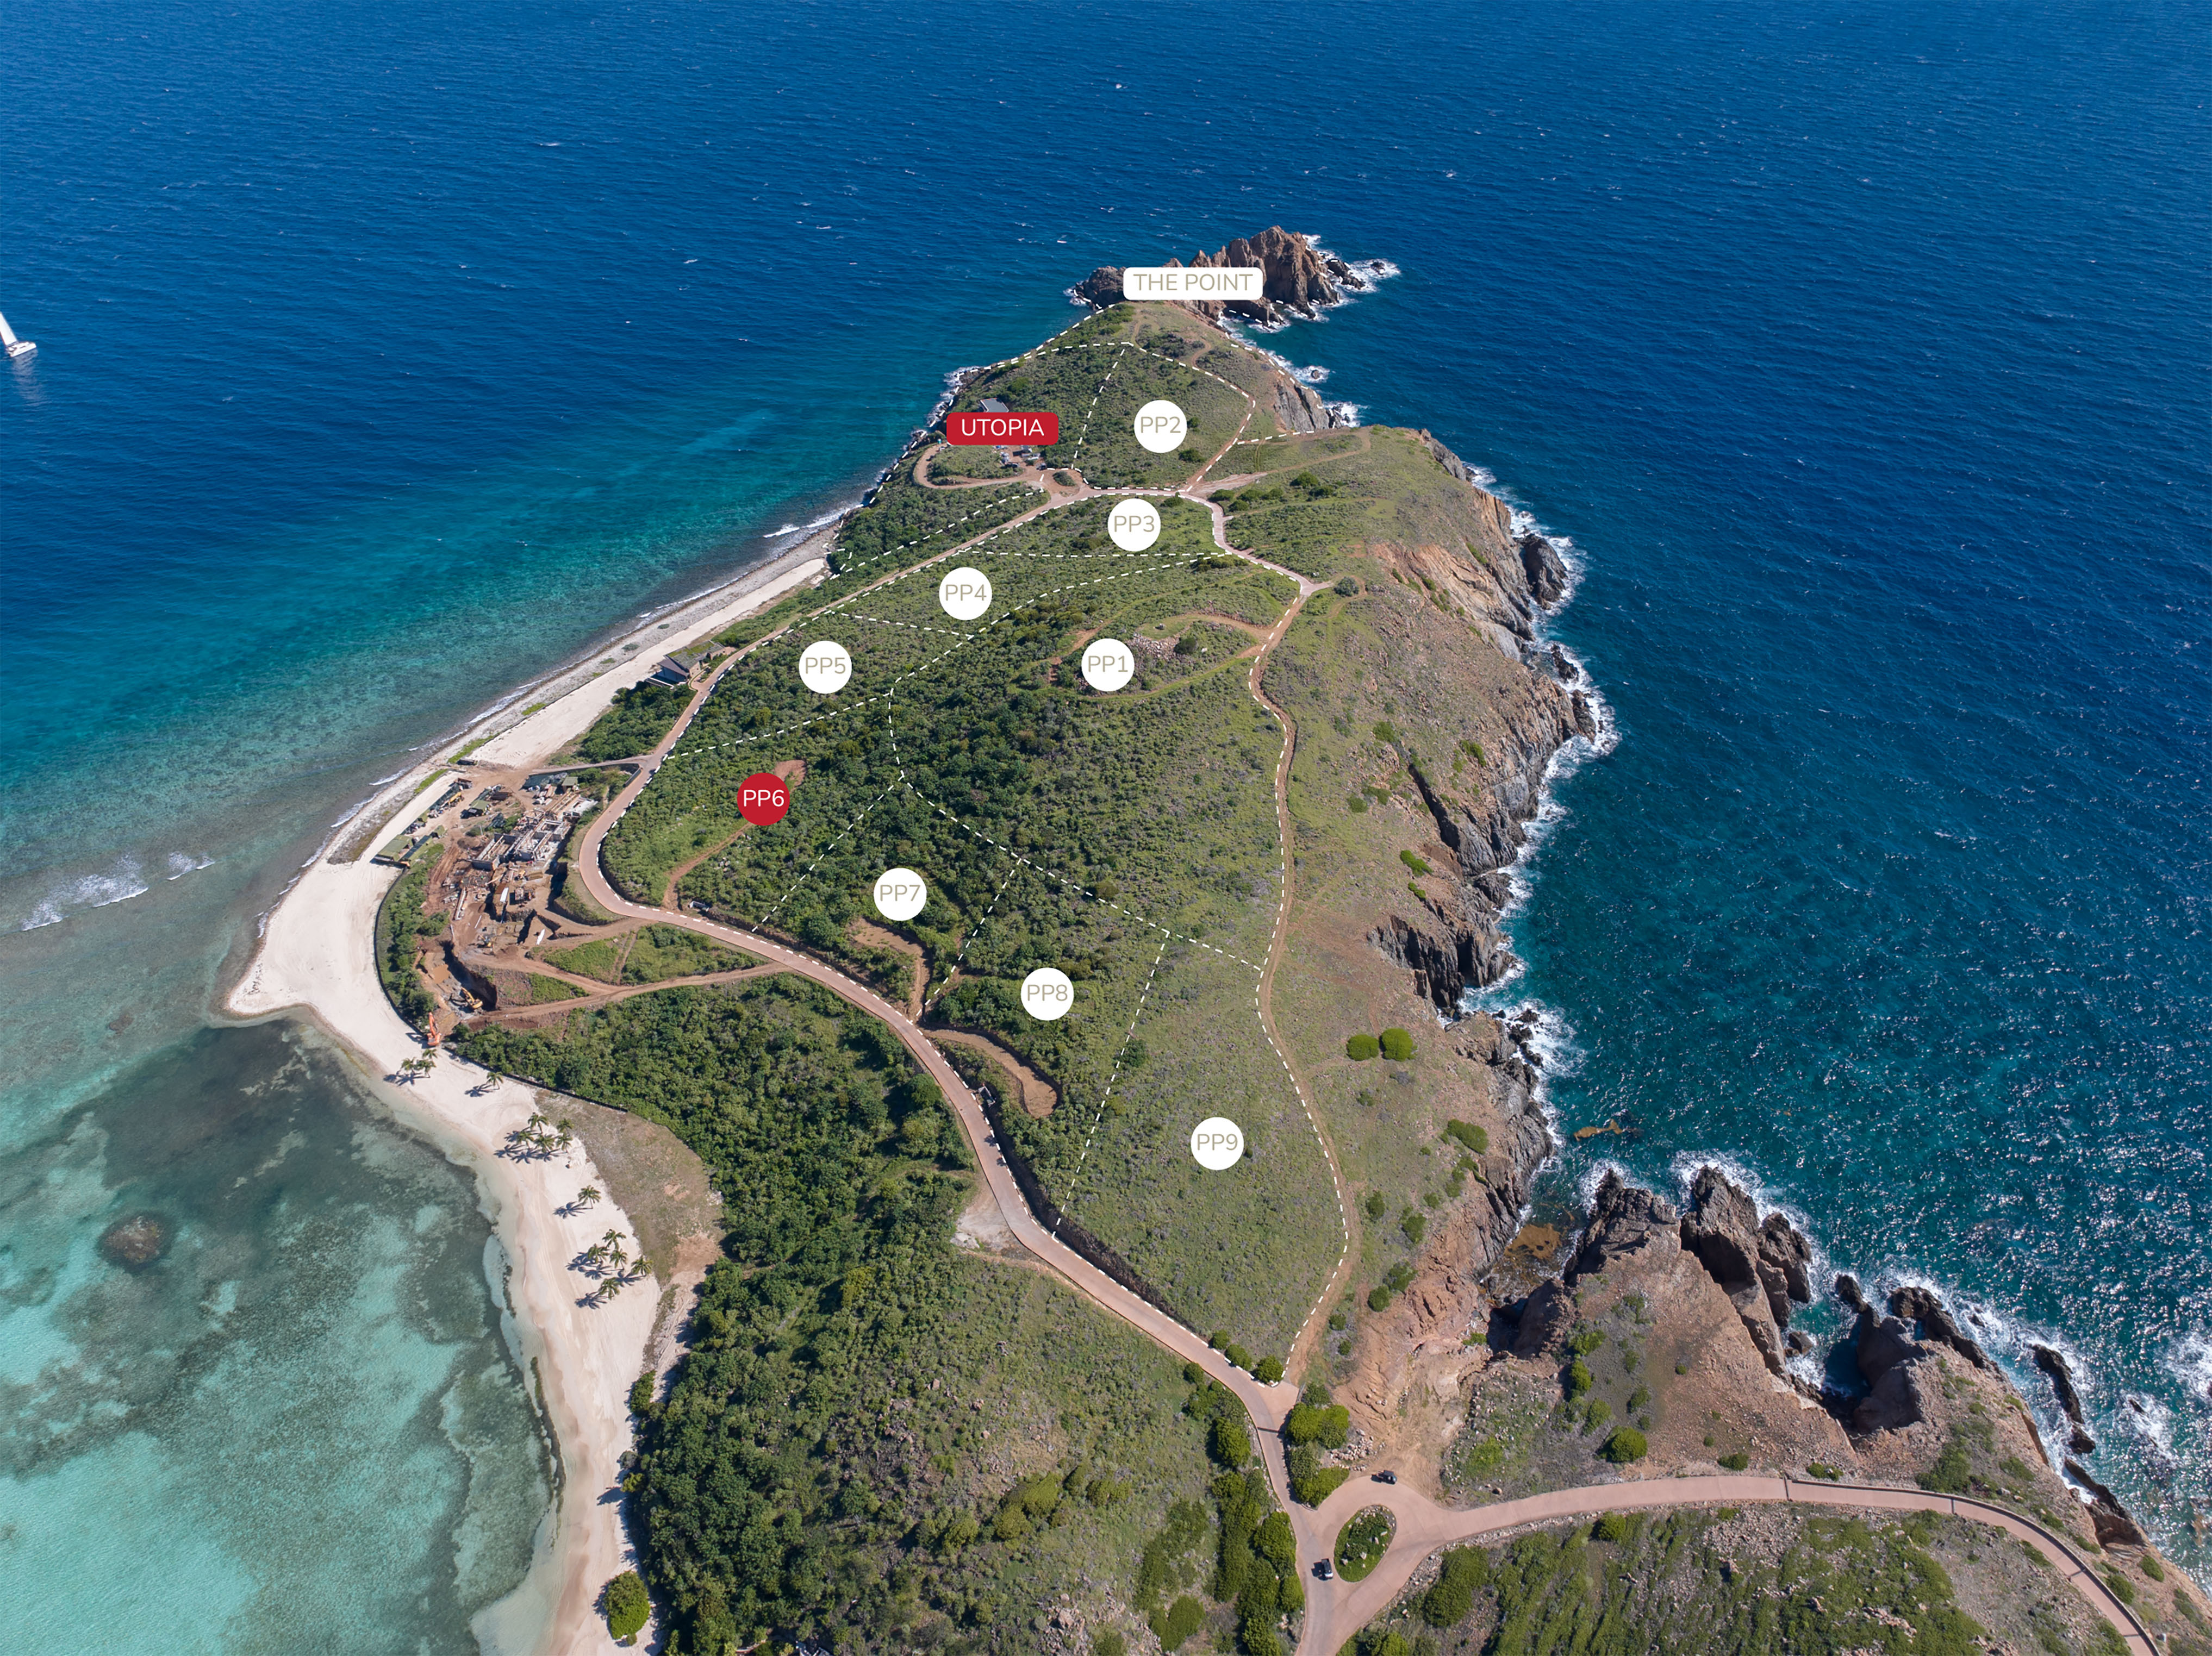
(1760,1266)
(1626,1221)
(1296,281)
(1936,1325)
(2061,1374)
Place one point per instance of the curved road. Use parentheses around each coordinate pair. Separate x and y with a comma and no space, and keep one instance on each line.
(1336,1609)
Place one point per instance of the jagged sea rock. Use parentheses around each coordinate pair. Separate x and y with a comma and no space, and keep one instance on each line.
(1295,280)
(1721,1227)
(2054,1364)
(2110,1520)
(137,1242)
(1885,1345)
(1848,1290)
(1625,1220)
(1937,1323)
(1101,289)
(1897,1400)
(1546,570)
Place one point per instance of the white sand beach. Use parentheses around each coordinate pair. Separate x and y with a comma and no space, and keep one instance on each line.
(316,959)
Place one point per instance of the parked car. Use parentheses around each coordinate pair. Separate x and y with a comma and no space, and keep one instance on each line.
(1386,1478)
(1325,1570)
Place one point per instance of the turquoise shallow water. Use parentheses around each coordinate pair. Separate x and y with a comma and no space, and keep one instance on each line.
(390,354)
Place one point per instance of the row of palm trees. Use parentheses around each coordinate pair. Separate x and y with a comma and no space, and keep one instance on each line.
(540,1136)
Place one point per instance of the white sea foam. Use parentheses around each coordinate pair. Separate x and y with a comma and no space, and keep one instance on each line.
(811,525)
(2189,1360)
(119,884)
(1343,414)
(182,863)
(1312,374)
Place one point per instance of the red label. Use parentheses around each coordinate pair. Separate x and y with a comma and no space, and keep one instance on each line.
(763,799)
(1011,430)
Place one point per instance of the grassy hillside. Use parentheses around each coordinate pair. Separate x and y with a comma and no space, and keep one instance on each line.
(863,1401)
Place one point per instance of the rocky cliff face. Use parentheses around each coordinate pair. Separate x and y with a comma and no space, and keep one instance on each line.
(1299,280)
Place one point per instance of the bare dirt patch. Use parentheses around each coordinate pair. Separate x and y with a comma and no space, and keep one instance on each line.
(1037,1096)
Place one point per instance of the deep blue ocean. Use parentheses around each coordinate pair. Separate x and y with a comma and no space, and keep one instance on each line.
(390,354)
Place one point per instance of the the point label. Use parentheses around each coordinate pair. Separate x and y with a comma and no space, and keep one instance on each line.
(1161,427)
(1047,994)
(1133,524)
(964,594)
(900,894)
(1107,664)
(1194,281)
(825,667)
(764,798)
(1217,1142)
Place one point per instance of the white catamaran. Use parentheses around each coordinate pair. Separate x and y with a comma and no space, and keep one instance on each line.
(15,347)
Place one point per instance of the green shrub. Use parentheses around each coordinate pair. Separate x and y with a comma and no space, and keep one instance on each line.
(1475,1139)
(1419,865)
(1595,1413)
(1616,1529)
(1376,1205)
(1360,1048)
(1347,587)
(1229,1443)
(1579,1380)
(1268,1371)
(1238,1355)
(1821,1468)
(2123,1589)
(1378,1298)
(641,1394)
(1627,1444)
(1397,1046)
(1586,1341)
(1448,1603)
(2152,1569)
(1311,1482)
(624,1602)
(1178,1621)
(1327,1424)
(1414,1226)
(1108,1641)
(1736,1462)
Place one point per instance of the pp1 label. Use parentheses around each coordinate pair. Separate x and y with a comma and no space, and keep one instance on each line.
(1217,1142)
(964,594)
(1107,664)
(900,894)
(1047,994)
(825,667)
(763,799)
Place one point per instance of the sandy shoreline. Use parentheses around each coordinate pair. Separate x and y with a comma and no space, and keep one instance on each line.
(315,960)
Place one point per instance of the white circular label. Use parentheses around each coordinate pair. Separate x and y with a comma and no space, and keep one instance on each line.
(1134,525)
(900,894)
(965,593)
(1047,994)
(1217,1142)
(1107,664)
(1161,427)
(825,668)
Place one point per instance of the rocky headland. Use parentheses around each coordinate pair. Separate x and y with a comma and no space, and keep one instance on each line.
(1301,280)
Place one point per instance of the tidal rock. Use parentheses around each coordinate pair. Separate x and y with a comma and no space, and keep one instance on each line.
(1546,1317)
(2109,1519)
(1896,1400)
(1782,1247)
(1625,1220)
(137,1242)
(2054,1364)
(1546,570)
(1848,1290)
(1936,1323)
(1885,1345)
(1752,1265)
(1297,408)
(1101,290)
(1294,282)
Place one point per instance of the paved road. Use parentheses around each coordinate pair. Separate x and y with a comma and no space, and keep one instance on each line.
(1335,1610)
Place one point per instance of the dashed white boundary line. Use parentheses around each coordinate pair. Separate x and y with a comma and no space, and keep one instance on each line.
(1120,1052)
(1167,935)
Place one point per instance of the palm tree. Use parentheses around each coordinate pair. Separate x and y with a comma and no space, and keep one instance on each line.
(587,1197)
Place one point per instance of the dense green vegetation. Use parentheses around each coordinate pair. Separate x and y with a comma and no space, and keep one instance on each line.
(625,1604)
(400,927)
(1624,1586)
(641,716)
(905,523)
(1098,374)
(825,1466)
(661,952)
(1130,841)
